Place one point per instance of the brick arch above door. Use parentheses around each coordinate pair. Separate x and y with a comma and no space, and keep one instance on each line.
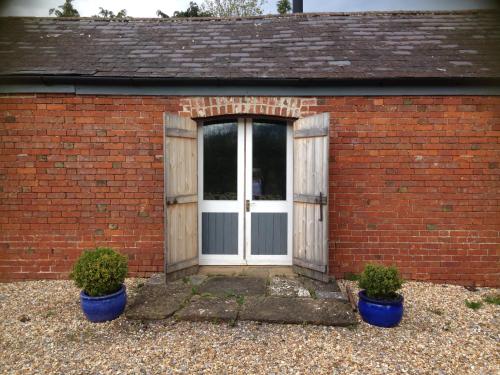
(289,107)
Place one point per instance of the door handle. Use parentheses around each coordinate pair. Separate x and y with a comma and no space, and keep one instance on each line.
(247,205)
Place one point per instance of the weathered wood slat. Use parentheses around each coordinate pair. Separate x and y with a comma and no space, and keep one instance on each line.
(310,222)
(312,274)
(180,133)
(312,132)
(317,267)
(181,265)
(181,192)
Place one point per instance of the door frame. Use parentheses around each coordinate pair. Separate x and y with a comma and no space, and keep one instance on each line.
(269,206)
(223,206)
(244,191)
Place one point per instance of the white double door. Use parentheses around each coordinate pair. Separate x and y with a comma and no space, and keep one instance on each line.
(245,192)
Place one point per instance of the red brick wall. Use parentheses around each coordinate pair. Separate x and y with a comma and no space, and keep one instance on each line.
(78,172)
(414,181)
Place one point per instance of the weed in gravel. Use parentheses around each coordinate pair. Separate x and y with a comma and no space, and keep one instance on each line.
(474,305)
(194,290)
(80,336)
(186,280)
(207,295)
(493,299)
(49,313)
(436,311)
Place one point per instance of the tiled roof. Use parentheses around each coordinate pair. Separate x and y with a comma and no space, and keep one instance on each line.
(302,46)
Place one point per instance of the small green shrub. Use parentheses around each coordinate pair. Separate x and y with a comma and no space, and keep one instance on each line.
(474,305)
(492,299)
(380,282)
(100,272)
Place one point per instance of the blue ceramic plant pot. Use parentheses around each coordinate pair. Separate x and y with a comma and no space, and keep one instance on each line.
(380,313)
(102,309)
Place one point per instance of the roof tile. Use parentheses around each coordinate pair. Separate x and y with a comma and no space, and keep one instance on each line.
(303,46)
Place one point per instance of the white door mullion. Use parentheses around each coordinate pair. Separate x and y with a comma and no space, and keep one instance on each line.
(241,190)
(248,187)
(223,206)
(267,206)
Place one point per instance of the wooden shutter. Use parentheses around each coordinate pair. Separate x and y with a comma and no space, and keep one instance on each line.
(181,196)
(310,198)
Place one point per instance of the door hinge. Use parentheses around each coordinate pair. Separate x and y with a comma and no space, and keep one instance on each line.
(320,206)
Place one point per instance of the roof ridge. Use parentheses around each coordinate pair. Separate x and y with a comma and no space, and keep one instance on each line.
(264,16)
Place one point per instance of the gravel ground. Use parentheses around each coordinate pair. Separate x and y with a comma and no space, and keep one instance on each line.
(42,330)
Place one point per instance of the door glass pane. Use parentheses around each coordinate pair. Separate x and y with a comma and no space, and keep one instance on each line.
(220,146)
(269,160)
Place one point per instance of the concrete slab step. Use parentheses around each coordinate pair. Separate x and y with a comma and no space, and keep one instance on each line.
(292,310)
(156,301)
(212,309)
(229,298)
(226,286)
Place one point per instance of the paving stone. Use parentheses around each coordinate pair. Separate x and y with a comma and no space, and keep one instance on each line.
(223,286)
(202,308)
(323,294)
(323,290)
(156,301)
(197,279)
(291,310)
(287,287)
